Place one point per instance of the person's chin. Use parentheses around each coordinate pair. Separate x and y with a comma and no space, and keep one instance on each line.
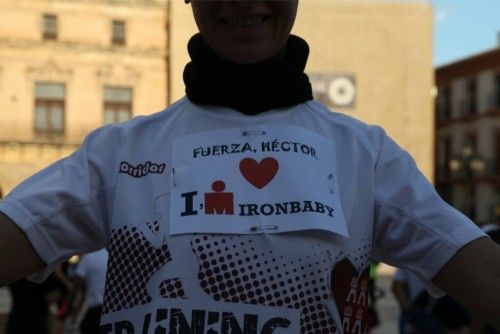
(246,54)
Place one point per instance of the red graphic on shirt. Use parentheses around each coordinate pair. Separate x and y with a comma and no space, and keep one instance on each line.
(259,174)
(219,202)
(351,295)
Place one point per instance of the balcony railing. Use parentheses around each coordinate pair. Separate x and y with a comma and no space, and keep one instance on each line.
(467,171)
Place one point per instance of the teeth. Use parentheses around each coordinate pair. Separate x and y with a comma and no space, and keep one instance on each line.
(244,22)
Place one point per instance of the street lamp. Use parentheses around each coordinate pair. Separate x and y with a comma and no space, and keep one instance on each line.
(468,162)
(465,167)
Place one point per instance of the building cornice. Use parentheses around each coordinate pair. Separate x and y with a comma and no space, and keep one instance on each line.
(489,60)
(123,3)
(470,119)
(492,180)
(59,46)
(60,143)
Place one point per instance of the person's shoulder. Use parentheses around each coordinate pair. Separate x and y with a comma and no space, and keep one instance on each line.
(339,119)
(139,126)
(155,119)
(369,135)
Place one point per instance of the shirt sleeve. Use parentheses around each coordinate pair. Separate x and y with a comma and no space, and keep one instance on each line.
(400,276)
(82,267)
(414,228)
(65,209)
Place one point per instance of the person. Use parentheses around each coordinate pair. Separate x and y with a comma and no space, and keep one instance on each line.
(29,312)
(416,305)
(64,303)
(478,325)
(315,195)
(90,277)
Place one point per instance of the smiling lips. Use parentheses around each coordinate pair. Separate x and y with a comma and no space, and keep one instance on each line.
(248,21)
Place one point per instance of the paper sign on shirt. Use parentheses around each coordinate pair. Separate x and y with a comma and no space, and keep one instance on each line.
(270,179)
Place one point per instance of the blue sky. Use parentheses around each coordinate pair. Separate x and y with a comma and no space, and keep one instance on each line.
(464,27)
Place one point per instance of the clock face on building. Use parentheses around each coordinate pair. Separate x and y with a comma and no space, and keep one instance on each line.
(334,90)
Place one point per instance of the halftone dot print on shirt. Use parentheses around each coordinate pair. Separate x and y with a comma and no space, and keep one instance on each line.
(233,269)
(361,257)
(172,288)
(132,262)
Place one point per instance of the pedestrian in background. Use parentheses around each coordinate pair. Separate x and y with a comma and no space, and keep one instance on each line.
(416,305)
(422,313)
(478,326)
(90,277)
(65,314)
(30,310)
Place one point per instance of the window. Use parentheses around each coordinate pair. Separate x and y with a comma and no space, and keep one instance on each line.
(470,100)
(444,104)
(444,158)
(117,104)
(49,27)
(49,108)
(118,33)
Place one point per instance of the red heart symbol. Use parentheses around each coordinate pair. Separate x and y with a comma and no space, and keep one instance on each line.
(259,174)
(351,292)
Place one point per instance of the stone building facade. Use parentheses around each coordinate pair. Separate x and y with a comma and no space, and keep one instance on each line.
(67,67)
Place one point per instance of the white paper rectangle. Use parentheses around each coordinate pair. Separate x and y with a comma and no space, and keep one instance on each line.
(271,179)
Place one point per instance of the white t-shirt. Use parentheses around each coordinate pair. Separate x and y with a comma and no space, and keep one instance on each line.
(241,224)
(92,268)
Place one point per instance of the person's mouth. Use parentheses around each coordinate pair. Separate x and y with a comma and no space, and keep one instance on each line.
(249,21)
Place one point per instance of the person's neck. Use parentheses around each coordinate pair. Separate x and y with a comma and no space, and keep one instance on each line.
(249,88)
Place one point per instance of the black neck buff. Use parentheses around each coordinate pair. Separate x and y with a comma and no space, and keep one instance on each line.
(248,88)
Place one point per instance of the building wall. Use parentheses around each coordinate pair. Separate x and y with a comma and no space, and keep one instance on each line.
(476,193)
(385,46)
(84,59)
